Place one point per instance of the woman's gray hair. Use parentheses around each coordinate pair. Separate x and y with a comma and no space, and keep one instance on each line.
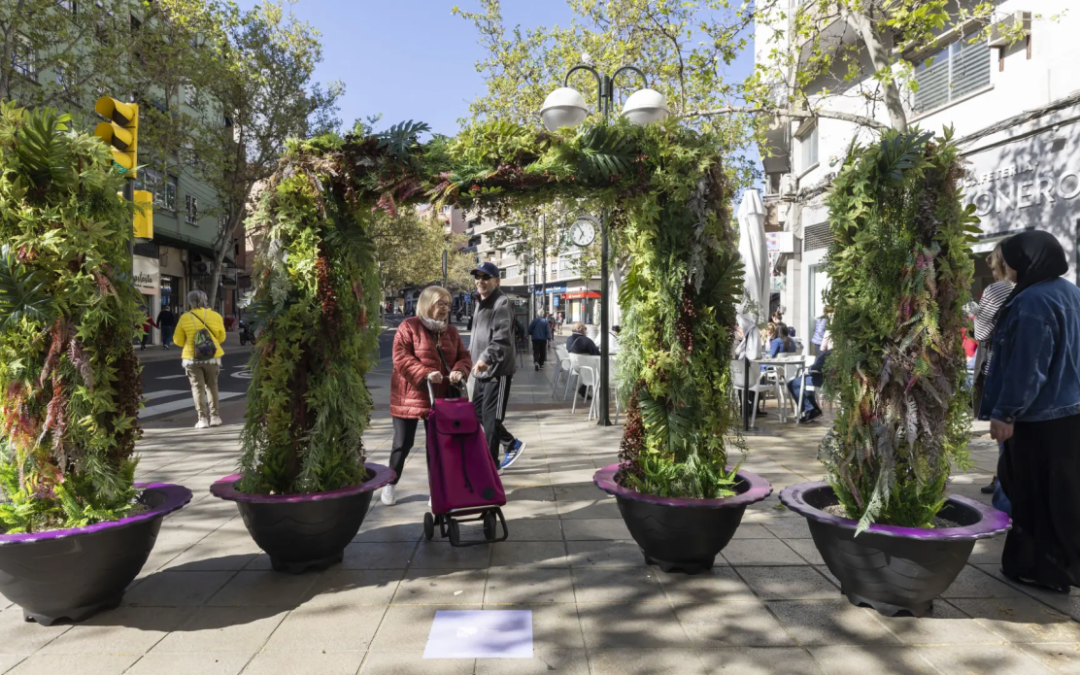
(197,299)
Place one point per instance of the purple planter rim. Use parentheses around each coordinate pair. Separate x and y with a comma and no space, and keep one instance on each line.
(759,489)
(225,488)
(991,522)
(176,496)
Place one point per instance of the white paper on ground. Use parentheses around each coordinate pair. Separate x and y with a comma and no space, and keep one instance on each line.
(480,634)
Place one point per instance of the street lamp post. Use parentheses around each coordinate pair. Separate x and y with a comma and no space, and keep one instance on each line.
(566,107)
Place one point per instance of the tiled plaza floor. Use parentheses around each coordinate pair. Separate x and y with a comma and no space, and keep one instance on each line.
(206,602)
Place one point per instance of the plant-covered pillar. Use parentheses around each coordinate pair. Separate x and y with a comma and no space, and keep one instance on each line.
(69,378)
(900,267)
(679,308)
(316,298)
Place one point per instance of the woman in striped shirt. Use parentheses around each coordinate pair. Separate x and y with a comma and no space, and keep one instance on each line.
(993,298)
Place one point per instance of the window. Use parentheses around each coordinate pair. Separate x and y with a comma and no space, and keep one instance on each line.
(23,57)
(164,188)
(951,74)
(808,148)
(192,210)
(69,6)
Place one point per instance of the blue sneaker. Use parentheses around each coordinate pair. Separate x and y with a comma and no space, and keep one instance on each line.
(512,453)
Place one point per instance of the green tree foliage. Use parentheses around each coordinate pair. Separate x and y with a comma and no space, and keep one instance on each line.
(69,378)
(409,249)
(900,267)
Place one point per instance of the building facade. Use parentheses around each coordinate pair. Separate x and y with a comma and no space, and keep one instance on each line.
(1013,109)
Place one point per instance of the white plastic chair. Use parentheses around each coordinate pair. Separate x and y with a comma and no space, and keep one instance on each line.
(572,373)
(587,378)
(562,365)
(756,388)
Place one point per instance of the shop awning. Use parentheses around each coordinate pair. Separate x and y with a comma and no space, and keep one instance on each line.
(181,241)
(582,295)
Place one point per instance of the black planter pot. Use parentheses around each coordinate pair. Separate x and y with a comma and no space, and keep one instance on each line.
(893,569)
(682,534)
(307,532)
(73,574)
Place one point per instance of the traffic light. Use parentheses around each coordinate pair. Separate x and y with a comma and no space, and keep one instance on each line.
(144,214)
(122,133)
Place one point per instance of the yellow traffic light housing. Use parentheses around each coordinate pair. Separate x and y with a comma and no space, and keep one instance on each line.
(144,214)
(122,133)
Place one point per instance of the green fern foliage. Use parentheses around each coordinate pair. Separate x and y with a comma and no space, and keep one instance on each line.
(69,378)
(900,268)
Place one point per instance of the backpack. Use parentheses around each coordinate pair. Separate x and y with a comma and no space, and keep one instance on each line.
(204,345)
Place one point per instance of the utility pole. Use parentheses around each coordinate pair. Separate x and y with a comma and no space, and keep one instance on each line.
(543,264)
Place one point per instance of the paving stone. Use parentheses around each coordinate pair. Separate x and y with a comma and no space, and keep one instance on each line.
(251,589)
(732,624)
(189,664)
(753,531)
(223,629)
(974,583)
(176,589)
(788,583)
(529,510)
(440,555)
(988,551)
(595,530)
(557,627)
(760,552)
(604,554)
(83,664)
(789,528)
(441,587)
(587,510)
(405,628)
(390,532)
(989,659)
(18,636)
(879,660)
(564,662)
(353,587)
(646,662)
(122,631)
(759,661)
(831,622)
(413,662)
(379,556)
(1021,619)
(806,549)
(291,663)
(945,624)
(628,584)
(327,628)
(632,626)
(534,530)
(1058,657)
(528,585)
(720,584)
(531,553)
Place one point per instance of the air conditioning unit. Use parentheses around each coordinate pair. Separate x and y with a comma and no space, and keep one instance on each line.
(785,242)
(201,267)
(1003,32)
(788,186)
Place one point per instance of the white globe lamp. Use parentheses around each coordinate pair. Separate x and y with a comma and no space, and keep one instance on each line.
(645,106)
(564,107)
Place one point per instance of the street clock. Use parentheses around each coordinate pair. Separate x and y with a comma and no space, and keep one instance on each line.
(583,231)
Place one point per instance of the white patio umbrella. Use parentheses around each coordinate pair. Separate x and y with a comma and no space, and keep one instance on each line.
(752,249)
(756,283)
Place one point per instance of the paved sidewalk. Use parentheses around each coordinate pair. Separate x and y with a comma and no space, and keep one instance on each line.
(207,603)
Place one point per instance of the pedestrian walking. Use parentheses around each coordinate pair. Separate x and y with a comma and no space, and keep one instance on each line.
(540,331)
(985,313)
(167,322)
(148,323)
(492,350)
(427,350)
(1032,399)
(199,333)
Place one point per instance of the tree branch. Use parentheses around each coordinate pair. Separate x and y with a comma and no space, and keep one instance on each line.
(787,112)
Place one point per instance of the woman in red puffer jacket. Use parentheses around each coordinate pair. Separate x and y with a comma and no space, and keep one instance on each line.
(416,363)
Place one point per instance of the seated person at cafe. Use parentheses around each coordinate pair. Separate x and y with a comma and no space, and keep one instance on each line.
(579,343)
(779,341)
(810,409)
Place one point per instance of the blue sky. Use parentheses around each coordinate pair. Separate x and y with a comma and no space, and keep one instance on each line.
(412,59)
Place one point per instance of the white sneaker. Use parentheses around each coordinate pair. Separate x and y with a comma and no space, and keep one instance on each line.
(202,424)
(388,497)
(215,421)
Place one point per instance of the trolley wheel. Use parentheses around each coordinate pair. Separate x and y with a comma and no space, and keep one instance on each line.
(489,526)
(455,531)
(429,526)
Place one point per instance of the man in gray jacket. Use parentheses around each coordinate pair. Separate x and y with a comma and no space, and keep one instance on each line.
(492,349)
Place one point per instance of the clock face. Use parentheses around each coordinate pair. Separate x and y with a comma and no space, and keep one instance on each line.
(582,233)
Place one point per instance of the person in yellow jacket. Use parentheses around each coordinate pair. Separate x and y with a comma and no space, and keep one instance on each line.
(202,369)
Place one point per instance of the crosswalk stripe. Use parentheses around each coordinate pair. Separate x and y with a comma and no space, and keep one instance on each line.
(170,377)
(150,396)
(182,404)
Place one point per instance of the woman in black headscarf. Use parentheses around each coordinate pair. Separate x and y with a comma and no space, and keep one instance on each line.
(1032,399)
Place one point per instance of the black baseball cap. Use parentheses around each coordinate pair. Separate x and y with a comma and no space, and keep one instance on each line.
(488,268)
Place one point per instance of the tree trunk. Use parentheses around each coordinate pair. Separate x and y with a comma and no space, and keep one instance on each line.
(225,241)
(878,47)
